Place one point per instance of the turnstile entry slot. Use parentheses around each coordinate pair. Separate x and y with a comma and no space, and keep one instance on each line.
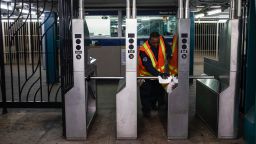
(91,95)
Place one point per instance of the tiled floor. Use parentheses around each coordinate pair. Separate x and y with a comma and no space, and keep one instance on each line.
(45,126)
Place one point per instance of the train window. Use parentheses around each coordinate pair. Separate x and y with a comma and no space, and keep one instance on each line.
(165,25)
(103,26)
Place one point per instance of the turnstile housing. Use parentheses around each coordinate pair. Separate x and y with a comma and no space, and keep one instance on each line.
(80,101)
(178,100)
(227,71)
(126,98)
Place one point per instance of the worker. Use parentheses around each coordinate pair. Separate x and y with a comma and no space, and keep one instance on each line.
(173,61)
(153,55)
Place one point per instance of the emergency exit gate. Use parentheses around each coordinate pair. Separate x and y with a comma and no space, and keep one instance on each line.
(34,71)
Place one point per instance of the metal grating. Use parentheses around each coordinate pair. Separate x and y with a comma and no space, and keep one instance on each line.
(24,73)
(207,39)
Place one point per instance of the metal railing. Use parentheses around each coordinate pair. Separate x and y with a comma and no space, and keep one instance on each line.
(207,39)
(148,77)
(24,81)
(27,40)
(66,48)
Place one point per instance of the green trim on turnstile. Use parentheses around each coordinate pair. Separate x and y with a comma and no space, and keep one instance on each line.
(250,89)
(192,43)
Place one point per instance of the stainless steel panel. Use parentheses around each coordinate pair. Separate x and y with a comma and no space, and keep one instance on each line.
(75,99)
(212,84)
(228,110)
(207,100)
(90,96)
(178,100)
(75,112)
(228,104)
(212,67)
(227,71)
(80,101)
(126,99)
(126,109)
(224,46)
(234,45)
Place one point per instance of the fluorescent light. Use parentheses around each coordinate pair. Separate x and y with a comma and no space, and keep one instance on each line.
(222,21)
(149,18)
(199,15)
(4,6)
(215,6)
(212,12)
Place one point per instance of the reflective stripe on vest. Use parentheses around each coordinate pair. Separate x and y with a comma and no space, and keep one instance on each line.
(162,44)
(150,54)
(173,63)
(158,65)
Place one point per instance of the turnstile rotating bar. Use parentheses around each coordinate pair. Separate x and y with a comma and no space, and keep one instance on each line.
(153,77)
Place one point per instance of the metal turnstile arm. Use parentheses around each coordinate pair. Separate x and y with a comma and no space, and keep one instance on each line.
(153,77)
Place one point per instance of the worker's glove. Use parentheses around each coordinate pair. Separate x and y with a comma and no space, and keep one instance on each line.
(172,85)
(140,82)
(164,75)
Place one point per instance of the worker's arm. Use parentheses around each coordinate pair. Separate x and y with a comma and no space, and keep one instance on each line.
(148,64)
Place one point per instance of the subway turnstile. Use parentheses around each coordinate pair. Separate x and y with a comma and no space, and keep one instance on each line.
(80,101)
(126,98)
(178,100)
(217,100)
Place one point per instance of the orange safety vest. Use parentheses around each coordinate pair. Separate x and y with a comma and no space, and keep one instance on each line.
(173,62)
(158,65)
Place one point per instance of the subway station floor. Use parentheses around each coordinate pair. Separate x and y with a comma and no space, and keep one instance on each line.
(44,126)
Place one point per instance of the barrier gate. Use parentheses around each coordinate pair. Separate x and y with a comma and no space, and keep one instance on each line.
(80,101)
(217,101)
(126,98)
(80,111)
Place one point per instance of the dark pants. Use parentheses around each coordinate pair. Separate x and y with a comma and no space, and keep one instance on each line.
(151,92)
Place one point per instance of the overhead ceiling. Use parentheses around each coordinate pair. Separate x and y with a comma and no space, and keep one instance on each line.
(110,4)
(149,3)
(122,3)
